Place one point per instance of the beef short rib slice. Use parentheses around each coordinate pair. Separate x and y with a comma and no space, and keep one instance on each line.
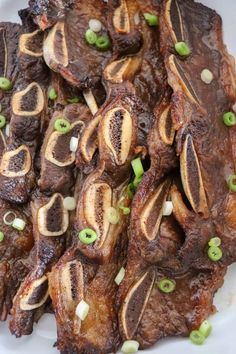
(148,314)
(73,279)
(66,50)
(203,142)
(50,224)
(46,13)
(9,36)
(14,252)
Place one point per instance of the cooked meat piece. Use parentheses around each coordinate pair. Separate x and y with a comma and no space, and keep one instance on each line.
(125,33)
(74,279)
(50,222)
(203,142)
(9,36)
(14,250)
(57,160)
(148,314)
(27,120)
(66,50)
(30,54)
(16,167)
(47,12)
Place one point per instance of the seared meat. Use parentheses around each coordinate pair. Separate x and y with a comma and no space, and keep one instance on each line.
(66,50)
(148,314)
(47,12)
(28,111)
(50,221)
(9,36)
(14,250)
(57,161)
(74,278)
(205,145)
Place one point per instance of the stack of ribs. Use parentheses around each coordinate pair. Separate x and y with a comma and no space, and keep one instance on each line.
(137,99)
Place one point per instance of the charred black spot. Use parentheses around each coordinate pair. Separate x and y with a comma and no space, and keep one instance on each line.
(125,44)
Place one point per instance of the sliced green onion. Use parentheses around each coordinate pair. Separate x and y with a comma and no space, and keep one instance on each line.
(137,167)
(130,347)
(9,217)
(7,130)
(167,285)
(74,143)
(2,121)
(182,49)
(62,125)
(152,20)
(130,190)
(18,224)
(125,210)
(206,76)
(205,328)
(95,25)
(232,183)
(0,107)
(120,276)
(229,119)
(69,203)
(5,84)
(215,253)
(103,43)
(1,236)
(52,94)
(90,36)
(214,241)
(82,310)
(73,100)
(136,181)
(168,208)
(87,236)
(197,337)
(112,216)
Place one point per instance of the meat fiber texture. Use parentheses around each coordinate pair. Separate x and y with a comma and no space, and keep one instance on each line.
(135,99)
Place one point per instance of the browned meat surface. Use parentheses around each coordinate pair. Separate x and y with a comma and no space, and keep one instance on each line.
(9,36)
(147,314)
(14,250)
(74,279)
(66,50)
(57,161)
(205,145)
(50,221)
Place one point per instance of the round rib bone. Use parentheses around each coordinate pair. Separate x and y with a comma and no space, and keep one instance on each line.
(18,98)
(23,44)
(135,302)
(192,178)
(121,19)
(116,133)
(52,142)
(43,214)
(34,288)
(123,69)
(166,129)
(8,156)
(54,58)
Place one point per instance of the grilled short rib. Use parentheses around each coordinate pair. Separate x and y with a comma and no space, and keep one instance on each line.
(205,145)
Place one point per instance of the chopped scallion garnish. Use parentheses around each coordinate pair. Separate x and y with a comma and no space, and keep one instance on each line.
(215,253)
(205,328)
(197,337)
(182,49)
(18,224)
(103,43)
(151,19)
(5,84)
(62,125)
(87,236)
(229,119)
(167,285)
(2,121)
(52,94)
(90,36)
(9,217)
(232,183)
(1,236)
(137,167)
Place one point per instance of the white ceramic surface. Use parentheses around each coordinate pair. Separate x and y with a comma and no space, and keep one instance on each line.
(222,339)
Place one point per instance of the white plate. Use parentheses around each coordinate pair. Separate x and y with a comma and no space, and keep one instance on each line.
(222,338)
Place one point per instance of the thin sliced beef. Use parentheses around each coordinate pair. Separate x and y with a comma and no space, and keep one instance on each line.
(9,36)
(14,250)
(203,142)
(74,279)
(57,161)
(148,314)
(50,222)
(66,50)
